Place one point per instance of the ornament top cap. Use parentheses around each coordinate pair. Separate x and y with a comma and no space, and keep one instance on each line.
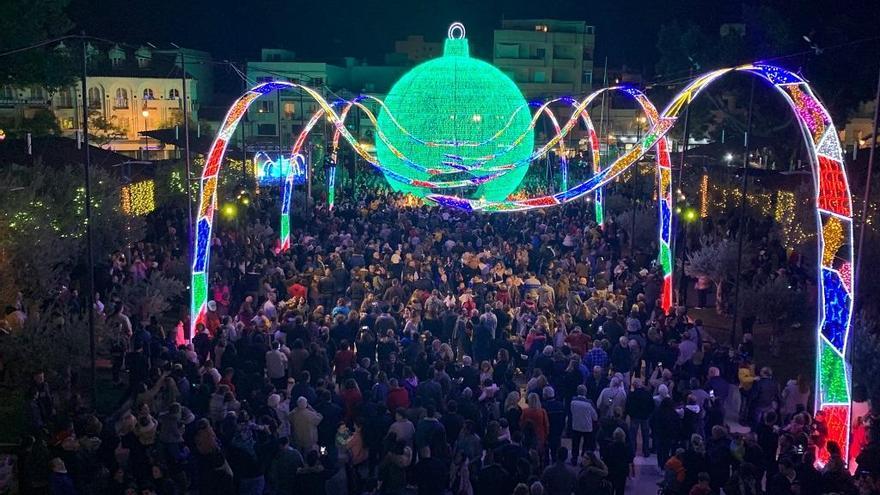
(456,31)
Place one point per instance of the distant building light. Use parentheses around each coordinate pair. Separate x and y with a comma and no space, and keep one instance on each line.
(542,28)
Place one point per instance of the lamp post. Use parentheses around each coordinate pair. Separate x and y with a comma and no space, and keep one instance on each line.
(145,114)
(637,186)
(742,228)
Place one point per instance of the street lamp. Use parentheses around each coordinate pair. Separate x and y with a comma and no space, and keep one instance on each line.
(728,158)
(145,114)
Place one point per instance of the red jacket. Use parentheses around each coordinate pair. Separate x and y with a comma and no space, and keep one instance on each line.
(351,398)
(397,398)
(539,420)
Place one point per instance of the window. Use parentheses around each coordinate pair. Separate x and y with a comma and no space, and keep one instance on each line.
(7,92)
(121,100)
(587,77)
(65,98)
(266,129)
(264,79)
(95,98)
(540,52)
(266,106)
(289,110)
(507,50)
(38,93)
(148,94)
(318,81)
(541,28)
(173,94)
(589,30)
(540,76)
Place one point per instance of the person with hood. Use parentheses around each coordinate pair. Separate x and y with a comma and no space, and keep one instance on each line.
(692,421)
(280,409)
(304,421)
(612,397)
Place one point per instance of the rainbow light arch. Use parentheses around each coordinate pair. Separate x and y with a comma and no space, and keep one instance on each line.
(832,201)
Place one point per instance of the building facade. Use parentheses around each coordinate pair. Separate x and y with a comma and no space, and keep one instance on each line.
(274,121)
(128,91)
(413,50)
(546,58)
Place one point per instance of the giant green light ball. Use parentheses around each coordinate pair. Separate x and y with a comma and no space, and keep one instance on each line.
(459,100)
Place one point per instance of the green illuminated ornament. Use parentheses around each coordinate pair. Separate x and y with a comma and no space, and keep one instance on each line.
(459,101)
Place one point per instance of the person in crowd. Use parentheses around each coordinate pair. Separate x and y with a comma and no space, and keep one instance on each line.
(639,406)
(619,459)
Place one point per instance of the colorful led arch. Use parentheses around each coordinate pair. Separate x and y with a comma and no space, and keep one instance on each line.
(664,184)
(834,225)
(832,200)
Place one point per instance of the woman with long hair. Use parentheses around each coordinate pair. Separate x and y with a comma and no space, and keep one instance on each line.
(795,396)
(512,412)
(486,371)
(536,417)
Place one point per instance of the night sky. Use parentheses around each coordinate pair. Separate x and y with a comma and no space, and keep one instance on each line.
(320,30)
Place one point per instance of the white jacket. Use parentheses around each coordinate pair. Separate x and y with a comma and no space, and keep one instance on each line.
(583,414)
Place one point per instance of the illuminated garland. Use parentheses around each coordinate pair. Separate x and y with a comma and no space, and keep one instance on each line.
(138,198)
(704,196)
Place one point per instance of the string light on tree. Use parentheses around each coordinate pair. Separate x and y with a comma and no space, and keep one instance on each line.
(138,198)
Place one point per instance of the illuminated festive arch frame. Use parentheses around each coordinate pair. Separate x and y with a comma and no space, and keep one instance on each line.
(664,185)
(833,206)
(832,200)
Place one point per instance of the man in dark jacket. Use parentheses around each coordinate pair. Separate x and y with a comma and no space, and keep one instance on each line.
(639,406)
(332,414)
(764,393)
(556,416)
(559,478)
(493,479)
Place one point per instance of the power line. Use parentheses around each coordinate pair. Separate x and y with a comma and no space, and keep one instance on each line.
(39,44)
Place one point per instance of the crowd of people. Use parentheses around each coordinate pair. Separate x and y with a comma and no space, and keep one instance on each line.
(397,349)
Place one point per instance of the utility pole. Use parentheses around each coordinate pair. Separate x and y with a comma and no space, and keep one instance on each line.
(90,262)
(244,88)
(637,191)
(188,169)
(743,224)
(682,286)
(278,123)
(867,195)
(602,134)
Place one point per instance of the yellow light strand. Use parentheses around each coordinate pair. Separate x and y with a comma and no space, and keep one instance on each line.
(832,237)
(704,196)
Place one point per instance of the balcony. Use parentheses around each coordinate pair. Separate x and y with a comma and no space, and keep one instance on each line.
(538,89)
(520,62)
(567,63)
